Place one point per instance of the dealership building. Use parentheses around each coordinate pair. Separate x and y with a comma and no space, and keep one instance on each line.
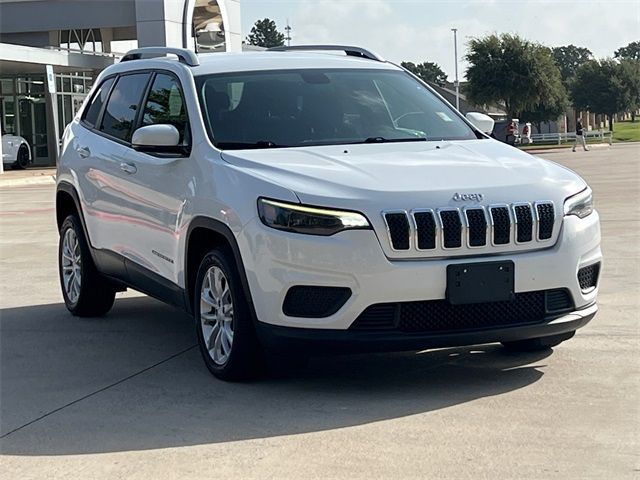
(51,51)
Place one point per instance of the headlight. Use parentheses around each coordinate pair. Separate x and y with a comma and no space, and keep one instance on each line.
(580,205)
(297,218)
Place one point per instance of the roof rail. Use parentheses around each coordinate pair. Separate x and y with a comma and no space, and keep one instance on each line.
(351,51)
(184,56)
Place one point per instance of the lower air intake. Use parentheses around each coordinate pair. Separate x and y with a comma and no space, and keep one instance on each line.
(588,276)
(439,316)
(314,302)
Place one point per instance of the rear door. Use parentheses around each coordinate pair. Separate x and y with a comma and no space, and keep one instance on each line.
(89,154)
(109,201)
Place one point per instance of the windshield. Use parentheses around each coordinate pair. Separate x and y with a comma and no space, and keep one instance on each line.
(296,108)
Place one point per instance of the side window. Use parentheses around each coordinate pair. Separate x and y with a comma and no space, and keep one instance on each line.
(93,110)
(165,104)
(120,113)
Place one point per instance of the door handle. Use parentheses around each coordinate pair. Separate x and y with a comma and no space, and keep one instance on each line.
(84,152)
(129,168)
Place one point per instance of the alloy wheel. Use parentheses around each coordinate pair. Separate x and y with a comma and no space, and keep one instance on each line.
(216,315)
(71,265)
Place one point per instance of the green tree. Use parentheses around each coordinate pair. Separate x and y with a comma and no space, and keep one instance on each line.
(569,58)
(597,87)
(427,71)
(629,74)
(508,69)
(546,110)
(264,33)
(631,51)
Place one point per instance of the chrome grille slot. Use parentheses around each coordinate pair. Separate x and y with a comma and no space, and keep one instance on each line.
(476,227)
(501,224)
(451,228)
(546,218)
(425,229)
(524,222)
(399,230)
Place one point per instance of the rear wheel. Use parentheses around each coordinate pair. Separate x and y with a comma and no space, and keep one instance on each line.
(537,344)
(86,293)
(224,325)
(22,160)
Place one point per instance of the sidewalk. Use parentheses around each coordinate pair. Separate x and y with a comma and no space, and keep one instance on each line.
(555,148)
(30,176)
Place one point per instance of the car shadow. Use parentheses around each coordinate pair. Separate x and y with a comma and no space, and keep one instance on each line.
(55,370)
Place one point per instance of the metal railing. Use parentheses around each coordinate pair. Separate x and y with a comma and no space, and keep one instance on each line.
(560,138)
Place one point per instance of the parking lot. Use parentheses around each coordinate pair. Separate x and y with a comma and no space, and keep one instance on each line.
(127,395)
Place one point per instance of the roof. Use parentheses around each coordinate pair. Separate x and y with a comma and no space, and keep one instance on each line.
(252,61)
(222,62)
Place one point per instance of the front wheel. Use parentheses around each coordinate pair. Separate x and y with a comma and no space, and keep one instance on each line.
(86,293)
(22,160)
(538,344)
(224,325)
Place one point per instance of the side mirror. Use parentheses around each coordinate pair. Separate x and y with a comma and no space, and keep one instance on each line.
(159,138)
(482,122)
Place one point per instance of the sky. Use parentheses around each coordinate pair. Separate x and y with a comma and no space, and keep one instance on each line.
(417,31)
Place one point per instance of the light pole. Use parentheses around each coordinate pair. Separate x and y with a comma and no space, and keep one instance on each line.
(288,30)
(455,52)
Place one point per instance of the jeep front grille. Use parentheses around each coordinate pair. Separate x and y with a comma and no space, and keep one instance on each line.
(470,227)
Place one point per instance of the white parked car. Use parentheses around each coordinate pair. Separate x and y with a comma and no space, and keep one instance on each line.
(313,202)
(15,151)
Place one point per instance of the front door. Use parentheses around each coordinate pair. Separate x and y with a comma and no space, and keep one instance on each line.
(157,184)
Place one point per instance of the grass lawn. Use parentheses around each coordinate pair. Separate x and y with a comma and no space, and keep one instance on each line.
(626,131)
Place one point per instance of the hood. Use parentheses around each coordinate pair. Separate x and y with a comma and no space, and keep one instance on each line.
(410,175)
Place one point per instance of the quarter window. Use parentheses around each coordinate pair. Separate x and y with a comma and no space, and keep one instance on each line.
(165,104)
(92,112)
(120,113)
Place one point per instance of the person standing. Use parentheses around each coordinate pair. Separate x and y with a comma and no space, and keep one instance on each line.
(580,136)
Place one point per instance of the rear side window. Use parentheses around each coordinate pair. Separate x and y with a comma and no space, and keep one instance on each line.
(165,104)
(120,112)
(92,112)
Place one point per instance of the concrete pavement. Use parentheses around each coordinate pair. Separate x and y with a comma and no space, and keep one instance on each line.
(127,396)
(28,177)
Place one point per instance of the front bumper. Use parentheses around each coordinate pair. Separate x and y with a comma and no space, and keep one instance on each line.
(276,338)
(275,261)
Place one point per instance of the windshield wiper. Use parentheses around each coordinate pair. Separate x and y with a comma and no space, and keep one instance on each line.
(248,145)
(391,140)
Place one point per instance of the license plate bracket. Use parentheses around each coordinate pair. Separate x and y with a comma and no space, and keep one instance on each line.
(480,282)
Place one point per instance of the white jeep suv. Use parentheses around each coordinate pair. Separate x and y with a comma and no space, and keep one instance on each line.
(308,201)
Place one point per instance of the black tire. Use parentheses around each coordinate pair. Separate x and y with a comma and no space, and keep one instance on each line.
(22,160)
(96,294)
(246,359)
(538,344)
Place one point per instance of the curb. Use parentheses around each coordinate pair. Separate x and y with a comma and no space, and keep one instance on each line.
(26,181)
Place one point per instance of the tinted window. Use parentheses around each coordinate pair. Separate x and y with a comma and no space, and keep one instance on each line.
(120,113)
(323,107)
(165,104)
(93,110)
